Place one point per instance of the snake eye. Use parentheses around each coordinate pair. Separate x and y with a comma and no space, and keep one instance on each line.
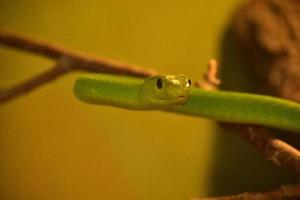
(159,83)
(190,82)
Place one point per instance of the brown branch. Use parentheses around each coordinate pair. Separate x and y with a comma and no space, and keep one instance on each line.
(32,83)
(211,82)
(285,192)
(67,60)
(20,42)
(212,72)
(277,151)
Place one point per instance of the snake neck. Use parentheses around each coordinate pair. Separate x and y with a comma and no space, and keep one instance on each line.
(116,91)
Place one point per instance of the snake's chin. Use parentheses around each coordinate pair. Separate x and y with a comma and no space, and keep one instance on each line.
(181,100)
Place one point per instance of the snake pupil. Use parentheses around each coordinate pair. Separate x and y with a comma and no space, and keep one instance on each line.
(159,83)
(190,82)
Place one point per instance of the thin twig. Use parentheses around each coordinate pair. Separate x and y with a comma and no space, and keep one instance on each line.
(78,60)
(34,82)
(43,48)
(67,60)
(211,82)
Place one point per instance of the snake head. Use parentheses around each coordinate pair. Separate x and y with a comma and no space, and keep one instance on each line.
(164,90)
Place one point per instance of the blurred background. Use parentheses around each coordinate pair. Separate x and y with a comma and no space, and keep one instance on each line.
(54,147)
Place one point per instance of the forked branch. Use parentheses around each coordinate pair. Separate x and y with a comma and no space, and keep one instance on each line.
(67,60)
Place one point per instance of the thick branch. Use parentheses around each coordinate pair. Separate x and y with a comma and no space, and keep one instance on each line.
(277,151)
(285,192)
(267,36)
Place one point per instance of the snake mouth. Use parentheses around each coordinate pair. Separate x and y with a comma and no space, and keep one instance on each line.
(179,100)
(174,98)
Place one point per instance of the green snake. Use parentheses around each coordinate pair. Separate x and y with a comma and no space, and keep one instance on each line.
(174,93)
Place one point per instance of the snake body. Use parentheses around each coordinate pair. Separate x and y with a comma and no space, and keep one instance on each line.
(174,93)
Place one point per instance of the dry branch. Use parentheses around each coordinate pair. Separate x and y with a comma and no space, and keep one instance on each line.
(275,150)
(32,83)
(286,192)
(67,60)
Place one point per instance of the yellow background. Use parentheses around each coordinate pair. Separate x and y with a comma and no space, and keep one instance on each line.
(54,147)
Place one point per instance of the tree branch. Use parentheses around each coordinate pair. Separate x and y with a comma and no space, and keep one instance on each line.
(42,48)
(275,150)
(283,193)
(33,83)
(67,60)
